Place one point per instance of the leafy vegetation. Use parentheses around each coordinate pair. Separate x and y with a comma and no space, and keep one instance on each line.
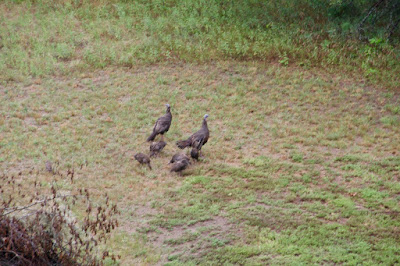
(50,37)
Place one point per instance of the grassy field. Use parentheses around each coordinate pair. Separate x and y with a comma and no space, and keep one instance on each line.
(44,37)
(302,166)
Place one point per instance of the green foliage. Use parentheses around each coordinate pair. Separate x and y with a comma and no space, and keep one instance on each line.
(63,51)
(349,158)
(45,37)
(390,120)
(284,60)
(394,109)
(297,157)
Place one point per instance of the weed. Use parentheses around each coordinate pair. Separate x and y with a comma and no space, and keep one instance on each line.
(297,157)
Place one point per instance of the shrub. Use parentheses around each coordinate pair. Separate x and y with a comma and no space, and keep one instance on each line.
(41,229)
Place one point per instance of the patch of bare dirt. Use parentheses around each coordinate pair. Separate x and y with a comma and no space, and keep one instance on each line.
(30,121)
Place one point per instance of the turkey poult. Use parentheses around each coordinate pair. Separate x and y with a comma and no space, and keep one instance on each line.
(162,125)
(157,147)
(179,162)
(197,140)
(49,167)
(143,159)
(194,153)
(179,166)
(179,157)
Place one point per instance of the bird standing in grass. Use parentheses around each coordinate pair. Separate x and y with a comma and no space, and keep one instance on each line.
(162,125)
(143,159)
(194,153)
(179,166)
(179,162)
(179,157)
(157,147)
(49,167)
(197,140)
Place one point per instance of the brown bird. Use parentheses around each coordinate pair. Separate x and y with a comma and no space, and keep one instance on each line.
(49,167)
(179,162)
(194,153)
(179,157)
(162,125)
(157,147)
(198,139)
(179,166)
(143,159)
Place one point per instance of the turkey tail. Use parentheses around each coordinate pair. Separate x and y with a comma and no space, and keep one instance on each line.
(152,136)
(183,143)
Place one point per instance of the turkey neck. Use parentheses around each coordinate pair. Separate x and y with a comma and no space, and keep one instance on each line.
(204,125)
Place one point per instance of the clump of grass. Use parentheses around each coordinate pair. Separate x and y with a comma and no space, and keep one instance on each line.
(297,157)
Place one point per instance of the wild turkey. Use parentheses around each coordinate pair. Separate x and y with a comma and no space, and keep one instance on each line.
(179,157)
(194,153)
(49,167)
(179,166)
(198,139)
(143,159)
(162,125)
(157,147)
(179,162)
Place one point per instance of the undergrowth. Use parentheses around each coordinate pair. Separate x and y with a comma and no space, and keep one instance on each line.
(59,37)
(38,227)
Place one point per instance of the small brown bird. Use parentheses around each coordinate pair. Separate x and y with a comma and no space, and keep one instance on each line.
(179,166)
(179,157)
(179,162)
(143,159)
(157,147)
(49,167)
(194,153)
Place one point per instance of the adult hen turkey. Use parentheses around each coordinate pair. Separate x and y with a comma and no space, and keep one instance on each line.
(198,139)
(162,125)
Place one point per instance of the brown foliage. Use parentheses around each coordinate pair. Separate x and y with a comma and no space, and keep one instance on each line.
(40,230)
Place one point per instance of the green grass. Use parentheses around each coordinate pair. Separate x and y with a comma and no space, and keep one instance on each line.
(44,37)
(302,166)
(290,194)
